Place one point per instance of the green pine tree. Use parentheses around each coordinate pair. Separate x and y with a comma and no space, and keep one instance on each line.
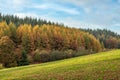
(24,60)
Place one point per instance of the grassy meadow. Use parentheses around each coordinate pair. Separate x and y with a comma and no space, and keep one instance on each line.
(100,66)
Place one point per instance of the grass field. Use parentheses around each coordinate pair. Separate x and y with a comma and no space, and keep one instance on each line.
(100,66)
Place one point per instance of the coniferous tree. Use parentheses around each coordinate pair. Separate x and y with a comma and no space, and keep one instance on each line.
(26,43)
(23,61)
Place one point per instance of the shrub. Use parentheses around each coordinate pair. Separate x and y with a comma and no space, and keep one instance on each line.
(30,59)
(81,53)
(69,53)
(36,57)
(57,55)
(45,56)
(42,56)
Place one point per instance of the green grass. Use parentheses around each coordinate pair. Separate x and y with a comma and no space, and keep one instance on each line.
(100,66)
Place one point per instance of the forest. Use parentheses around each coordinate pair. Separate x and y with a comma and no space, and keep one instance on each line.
(109,39)
(26,41)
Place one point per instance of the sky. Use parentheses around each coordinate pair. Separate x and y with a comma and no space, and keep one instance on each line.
(102,14)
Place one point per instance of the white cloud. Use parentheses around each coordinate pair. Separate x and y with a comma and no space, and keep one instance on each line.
(87,10)
(71,22)
(12,6)
(41,6)
(68,10)
(80,24)
(65,9)
(116,25)
(23,15)
(15,3)
(85,2)
(18,2)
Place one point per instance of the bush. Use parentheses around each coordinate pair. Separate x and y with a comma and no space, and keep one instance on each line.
(36,57)
(42,56)
(57,55)
(81,53)
(30,59)
(69,53)
(45,56)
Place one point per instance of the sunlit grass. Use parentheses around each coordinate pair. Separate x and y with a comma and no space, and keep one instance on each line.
(100,66)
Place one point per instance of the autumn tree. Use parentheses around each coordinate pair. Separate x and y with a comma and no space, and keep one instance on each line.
(7,57)
(111,43)
(13,32)
(4,29)
(26,43)
(25,36)
(106,37)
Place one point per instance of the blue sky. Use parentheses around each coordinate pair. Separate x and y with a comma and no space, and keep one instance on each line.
(74,13)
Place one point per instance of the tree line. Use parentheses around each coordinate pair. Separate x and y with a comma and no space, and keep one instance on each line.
(27,20)
(21,45)
(109,39)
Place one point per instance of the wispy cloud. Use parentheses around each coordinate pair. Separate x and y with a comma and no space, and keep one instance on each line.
(23,15)
(80,24)
(13,6)
(42,6)
(55,7)
(17,2)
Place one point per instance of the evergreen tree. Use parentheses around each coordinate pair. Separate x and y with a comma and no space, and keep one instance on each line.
(26,43)
(23,61)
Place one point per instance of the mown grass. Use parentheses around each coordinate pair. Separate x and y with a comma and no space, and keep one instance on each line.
(100,66)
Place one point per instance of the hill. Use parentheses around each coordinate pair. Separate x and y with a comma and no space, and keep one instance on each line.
(100,66)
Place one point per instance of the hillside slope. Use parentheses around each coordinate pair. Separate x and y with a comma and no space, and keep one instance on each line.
(100,66)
